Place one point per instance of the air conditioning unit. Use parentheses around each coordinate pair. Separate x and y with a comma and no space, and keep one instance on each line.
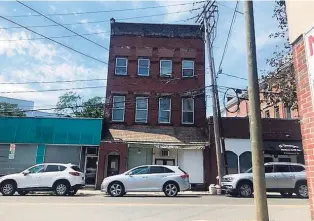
(165,153)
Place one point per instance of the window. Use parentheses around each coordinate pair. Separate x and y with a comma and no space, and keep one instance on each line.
(288,112)
(187,68)
(141,109)
(267,114)
(169,162)
(165,67)
(157,169)
(121,66)
(187,110)
(62,168)
(36,169)
(269,169)
(232,160)
(268,159)
(118,108)
(245,161)
(282,169)
(297,168)
(76,168)
(52,168)
(284,159)
(140,170)
(165,153)
(164,110)
(143,67)
(277,115)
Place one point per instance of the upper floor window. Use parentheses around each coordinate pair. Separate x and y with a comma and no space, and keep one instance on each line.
(267,114)
(187,110)
(118,108)
(121,66)
(165,67)
(288,112)
(141,109)
(164,110)
(187,68)
(143,67)
(277,115)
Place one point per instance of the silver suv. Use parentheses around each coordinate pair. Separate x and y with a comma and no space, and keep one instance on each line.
(285,178)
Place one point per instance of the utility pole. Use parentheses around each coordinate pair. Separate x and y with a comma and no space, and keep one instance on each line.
(208,32)
(255,117)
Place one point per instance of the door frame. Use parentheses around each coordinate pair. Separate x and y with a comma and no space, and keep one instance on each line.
(94,156)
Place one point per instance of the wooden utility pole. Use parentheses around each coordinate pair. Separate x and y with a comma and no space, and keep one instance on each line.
(207,27)
(255,117)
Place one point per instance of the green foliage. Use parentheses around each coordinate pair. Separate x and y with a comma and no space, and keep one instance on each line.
(7,109)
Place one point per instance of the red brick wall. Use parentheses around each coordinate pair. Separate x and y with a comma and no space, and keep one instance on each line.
(306,114)
(156,49)
(104,150)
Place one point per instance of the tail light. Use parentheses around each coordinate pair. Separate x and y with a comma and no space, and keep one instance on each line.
(74,173)
(185,176)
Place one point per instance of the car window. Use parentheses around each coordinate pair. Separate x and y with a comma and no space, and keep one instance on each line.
(62,168)
(269,169)
(282,168)
(167,170)
(297,168)
(76,168)
(36,169)
(139,170)
(52,168)
(160,169)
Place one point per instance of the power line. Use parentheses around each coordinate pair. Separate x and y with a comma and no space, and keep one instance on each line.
(68,47)
(63,26)
(219,3)
(52,82)
(105,11)
(229,35)
(234,76)
(102,21)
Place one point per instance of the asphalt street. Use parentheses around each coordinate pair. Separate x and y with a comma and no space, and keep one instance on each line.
(90,207)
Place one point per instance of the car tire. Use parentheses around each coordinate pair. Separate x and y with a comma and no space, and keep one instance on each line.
(286,194)
(61,188)
(245,189)
(22,192)
(301,190)
(171,189)
(116,189)
(8,188)
(233,194)
(72,192)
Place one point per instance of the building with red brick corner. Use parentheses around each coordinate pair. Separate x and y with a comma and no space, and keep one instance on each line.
(301,36)
(156,101)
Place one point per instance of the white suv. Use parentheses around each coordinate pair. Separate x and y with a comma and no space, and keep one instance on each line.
(285,178)
(63,179)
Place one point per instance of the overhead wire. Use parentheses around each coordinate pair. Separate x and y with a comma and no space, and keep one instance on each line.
(87,39)
(105,11)
(68,47)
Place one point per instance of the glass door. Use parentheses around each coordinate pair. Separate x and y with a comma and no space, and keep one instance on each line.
(90,170)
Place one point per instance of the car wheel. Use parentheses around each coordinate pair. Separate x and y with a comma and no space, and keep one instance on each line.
(302,190)
(61,188)
(8,188)
(171,189)
(22,192)
(116,189)
(72,192)
(245,189)
(286,194)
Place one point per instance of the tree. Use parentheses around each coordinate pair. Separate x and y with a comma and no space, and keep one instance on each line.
(7,109)
(73,105)
(279,83)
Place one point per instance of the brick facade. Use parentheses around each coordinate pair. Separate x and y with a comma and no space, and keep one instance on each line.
(306,114)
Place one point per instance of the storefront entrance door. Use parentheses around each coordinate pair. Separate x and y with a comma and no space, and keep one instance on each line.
(90,170)
(113,166)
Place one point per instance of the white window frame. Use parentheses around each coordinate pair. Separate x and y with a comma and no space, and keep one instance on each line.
(164,75)
(138,66)
(182,110)
(116,66)
(113,108)
(136,109)
(169,110)
(187,69)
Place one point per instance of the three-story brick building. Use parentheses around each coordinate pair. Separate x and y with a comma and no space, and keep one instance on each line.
(156,102)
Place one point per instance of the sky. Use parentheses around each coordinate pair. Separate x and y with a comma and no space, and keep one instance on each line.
(43,60)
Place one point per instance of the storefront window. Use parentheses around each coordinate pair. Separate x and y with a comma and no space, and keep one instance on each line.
(245,161)
(232,160)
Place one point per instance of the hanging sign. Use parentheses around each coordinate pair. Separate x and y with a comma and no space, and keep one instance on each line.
(12,151)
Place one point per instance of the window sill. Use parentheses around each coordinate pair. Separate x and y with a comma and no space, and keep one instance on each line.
(117,122)
(140,123)
(164,124)
(121,75)
(189,77)
(188,124)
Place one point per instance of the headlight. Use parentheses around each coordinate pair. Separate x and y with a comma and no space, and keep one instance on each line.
(227,179)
